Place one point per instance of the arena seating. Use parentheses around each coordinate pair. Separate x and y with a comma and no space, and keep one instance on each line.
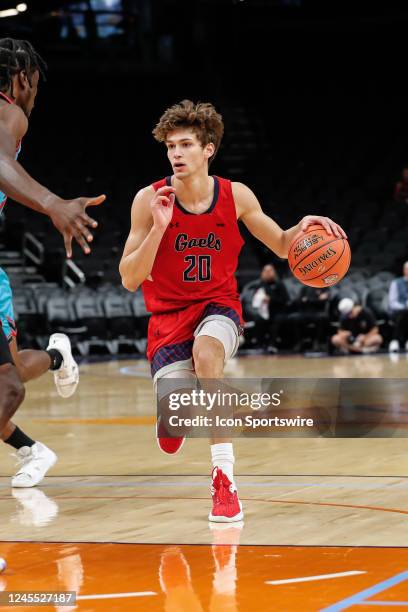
(294,170)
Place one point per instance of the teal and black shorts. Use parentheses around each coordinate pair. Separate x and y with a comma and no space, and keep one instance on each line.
(6,307)
(5,355)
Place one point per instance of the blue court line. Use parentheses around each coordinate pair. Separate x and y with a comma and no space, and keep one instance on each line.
(386,603)
(360,598)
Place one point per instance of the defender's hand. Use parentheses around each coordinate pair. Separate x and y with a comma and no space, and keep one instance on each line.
(71,220)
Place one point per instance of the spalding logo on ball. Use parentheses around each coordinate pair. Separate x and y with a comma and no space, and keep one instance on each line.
(319,259)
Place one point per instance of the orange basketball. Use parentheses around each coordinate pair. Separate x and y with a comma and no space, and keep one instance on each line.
(318,259)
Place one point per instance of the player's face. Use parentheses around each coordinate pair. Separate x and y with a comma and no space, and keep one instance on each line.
(186,153)
(28,88)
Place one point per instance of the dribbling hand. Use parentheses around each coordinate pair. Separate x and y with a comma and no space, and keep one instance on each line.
(331,227)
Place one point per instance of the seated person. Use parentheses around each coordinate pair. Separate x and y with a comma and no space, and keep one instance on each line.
(358,332)
(398,307)
(269,302)
(312,307)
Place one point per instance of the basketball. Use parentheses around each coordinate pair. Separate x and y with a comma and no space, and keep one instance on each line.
(319,259)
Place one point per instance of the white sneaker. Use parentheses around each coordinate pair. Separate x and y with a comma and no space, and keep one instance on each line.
(35,462)
(67,377)
(393,346)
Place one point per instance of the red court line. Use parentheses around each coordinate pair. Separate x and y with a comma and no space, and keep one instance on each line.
(248,499)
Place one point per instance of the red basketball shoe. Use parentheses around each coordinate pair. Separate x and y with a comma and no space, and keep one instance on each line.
(226,506)
(170,446)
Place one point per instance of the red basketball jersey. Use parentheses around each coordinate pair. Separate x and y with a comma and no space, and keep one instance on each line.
(197,257)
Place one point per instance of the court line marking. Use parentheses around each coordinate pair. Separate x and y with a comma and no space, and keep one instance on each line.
(318,577)
(116,595)
(162,475)
(147,483)
(118,420)
(349,547)
(359,598)
(386,603)
(249,499)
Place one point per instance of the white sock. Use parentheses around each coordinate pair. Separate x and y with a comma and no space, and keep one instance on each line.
(222,456)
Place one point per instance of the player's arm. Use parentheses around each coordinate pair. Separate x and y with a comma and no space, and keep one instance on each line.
(264,228)
(68,216)
(151,213)
(15,182)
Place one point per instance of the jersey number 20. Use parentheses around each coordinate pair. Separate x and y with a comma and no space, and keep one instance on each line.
(199,268)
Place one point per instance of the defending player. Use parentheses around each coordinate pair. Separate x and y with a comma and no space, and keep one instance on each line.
(183,249)
(20,71)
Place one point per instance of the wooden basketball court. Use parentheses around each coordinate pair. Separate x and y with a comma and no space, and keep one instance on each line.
(326,520)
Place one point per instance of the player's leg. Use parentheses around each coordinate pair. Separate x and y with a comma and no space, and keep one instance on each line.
(11,388)
(183,379)
(30,363)
(209,359)
(34,458)
(169,350)
(216,341)
(57,357)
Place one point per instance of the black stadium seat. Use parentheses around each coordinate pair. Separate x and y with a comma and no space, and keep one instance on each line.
(90,314)
(121,321)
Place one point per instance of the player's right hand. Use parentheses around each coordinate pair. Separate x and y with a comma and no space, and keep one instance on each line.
(162,207)
(71,220)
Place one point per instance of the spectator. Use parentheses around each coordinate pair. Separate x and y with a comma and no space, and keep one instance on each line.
(401,188)
(269,303)
(358,331)
(312,308)
(398,306)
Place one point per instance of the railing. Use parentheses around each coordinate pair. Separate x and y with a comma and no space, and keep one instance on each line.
(33,250)
(72,275)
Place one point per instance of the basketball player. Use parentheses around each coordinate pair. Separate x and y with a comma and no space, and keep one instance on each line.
(183,249)
(20,71)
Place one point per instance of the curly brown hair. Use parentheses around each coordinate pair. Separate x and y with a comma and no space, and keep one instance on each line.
(201,117)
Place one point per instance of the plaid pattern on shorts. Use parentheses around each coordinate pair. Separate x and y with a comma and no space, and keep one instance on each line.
(170,354)
(182,351)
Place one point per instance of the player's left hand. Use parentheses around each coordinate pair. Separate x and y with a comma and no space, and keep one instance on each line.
(330,226)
